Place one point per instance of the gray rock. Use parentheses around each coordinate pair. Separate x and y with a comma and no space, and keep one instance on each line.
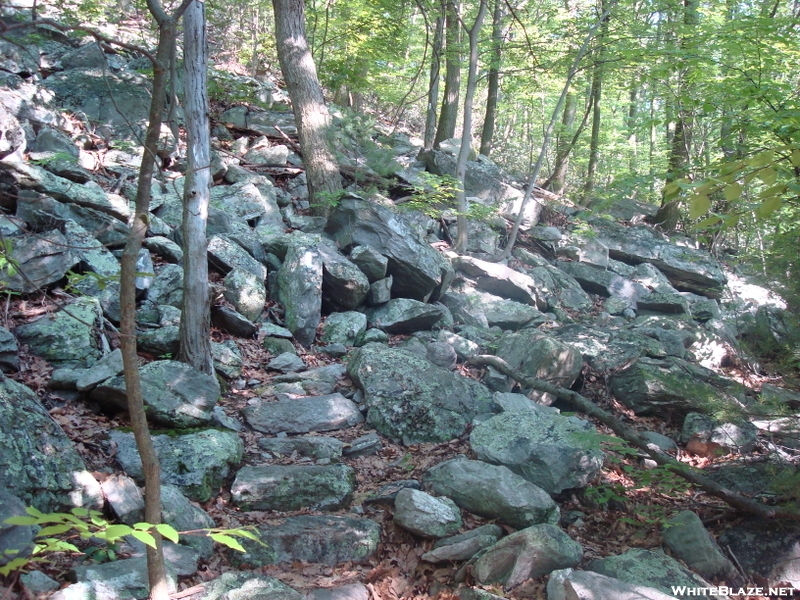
(493,492)
(411,399)
(707,436)
(344,328)
(37,583)
(464,546)
(419,271)
(9,351)
(301,415)
(317,447)
(167,287)
(182,559)
(765,548)
(531,552)
(226,255)
(174,393)
(547,450)
(403,315)
(344,286)
(685,535)
(425,515)
(535,354)
(272,330)
(670,303)
(248,586)
(647,568)
(669,386)
(105,368)
(165,248)
(559,289)
(40,261)
(294,487)
(442,354)
(126,578)
(232,322)
(364,445)
(371,262)
(686,268)
(567,584)
(276,346)
(227,359)
(500,280)
(300,290)
(372,335)
(380,291)
(605,283)
(245,201)
(464,348)
(197,463)
(287,362)
(67,338)
(329,540)
(269,155)
(246,292)
(260,122)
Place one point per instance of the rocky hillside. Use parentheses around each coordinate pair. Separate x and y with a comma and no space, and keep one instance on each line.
(345,420)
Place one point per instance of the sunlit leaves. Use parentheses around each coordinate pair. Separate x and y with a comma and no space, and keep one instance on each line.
(732,191)
(698,206)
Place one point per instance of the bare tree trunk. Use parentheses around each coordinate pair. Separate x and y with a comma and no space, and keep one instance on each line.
(310,112)
(452,77)
(466,134)
(558,179)
(633,112)
(493,85)
(195,329)
(596,94)
(433,86)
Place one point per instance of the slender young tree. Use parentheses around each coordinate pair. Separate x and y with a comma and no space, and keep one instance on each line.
(433,85)
(195,328)
(452,76)
(466,135)
(493,83)
(308,103)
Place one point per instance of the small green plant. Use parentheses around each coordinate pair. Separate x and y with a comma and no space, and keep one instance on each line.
(328,199)
(58,156)
(432,194)
(58,529)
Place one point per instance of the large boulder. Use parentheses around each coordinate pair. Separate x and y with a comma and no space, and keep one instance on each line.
(413,400)
(688,269)
(302,415)
(538,355)
(38,462)
(403,315)
(765,548)
(500,280)
(686,536)
(568,584)
(243,586)
(552,451)
(426,515)
(344,285)
(493,492)
(68,337)
(300,289)
(197,463)
(39,261)
(175,394)
(418,271)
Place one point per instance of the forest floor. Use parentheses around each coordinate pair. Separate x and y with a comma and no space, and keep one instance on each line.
(624,508)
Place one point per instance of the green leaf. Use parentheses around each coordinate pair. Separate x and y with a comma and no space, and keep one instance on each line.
(731,221)
(245,533)
(762,158)
(699,206)
(768,175)
(732,191)
(144,537)
(34,512)
(769,206)
(21,521)
(710,221)
(168,532)
(227,540)
(775,190)
(114,532)
(79,511)
(795,158)
(671,190)
(54,529)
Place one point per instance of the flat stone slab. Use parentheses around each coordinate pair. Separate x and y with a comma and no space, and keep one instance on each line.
(328,540)
(293,487)
(302,415)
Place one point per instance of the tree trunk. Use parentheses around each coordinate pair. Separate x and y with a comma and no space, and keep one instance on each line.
(633,112)
(433,86)
(558,179)
(310,112)
(452,77)
(466,135)
(596,95)
(195,328)
(493,85)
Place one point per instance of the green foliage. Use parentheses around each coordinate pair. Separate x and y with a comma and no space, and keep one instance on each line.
(354,140)
(328,199)
(7,263)
(58,528)
(432,194)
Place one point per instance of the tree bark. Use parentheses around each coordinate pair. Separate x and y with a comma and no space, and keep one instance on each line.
(493,83)
(452,77)
(308,104)
(596,95)
(558,179)
(630,435)
(433,85)
(195,328)
(466,134)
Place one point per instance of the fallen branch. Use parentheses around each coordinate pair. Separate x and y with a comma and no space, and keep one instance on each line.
(631,436)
